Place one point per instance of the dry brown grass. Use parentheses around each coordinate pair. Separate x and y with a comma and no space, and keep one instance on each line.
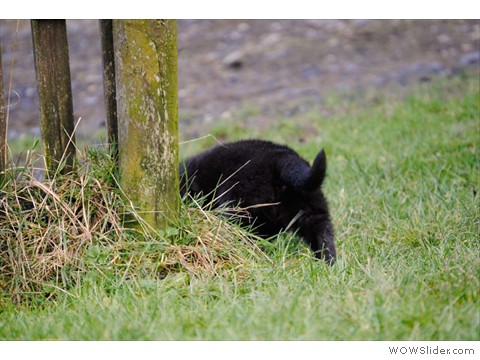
(54,231)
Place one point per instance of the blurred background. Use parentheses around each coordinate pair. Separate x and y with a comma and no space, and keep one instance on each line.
(251,72)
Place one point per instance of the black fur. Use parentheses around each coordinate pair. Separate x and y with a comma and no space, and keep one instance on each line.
(257,172)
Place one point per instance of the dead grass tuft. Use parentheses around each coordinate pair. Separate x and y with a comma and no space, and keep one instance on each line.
(54,231)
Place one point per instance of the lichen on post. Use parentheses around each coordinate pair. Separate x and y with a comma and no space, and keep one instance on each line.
(146,76)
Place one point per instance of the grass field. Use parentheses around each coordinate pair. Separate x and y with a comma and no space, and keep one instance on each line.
(403,185)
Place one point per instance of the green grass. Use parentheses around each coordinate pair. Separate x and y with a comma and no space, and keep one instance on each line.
(403,185)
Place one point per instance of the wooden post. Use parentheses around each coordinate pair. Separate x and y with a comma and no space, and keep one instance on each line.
(3,126)
(55,93)
(108,60)
(146,74)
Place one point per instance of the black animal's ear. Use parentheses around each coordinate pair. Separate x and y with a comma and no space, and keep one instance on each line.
(317,172)
(296,173)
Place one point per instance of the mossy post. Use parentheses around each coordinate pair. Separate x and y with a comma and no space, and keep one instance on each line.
(3,126)
(50,48)
(146,78)
(108,61)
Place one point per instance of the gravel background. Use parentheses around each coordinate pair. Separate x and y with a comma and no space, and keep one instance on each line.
(278,68)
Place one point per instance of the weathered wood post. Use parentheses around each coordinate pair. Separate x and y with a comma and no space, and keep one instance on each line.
(110,94)
(146,77)
(54,92)
(3,126)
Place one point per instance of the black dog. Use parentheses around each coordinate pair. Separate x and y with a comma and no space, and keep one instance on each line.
(278,189)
